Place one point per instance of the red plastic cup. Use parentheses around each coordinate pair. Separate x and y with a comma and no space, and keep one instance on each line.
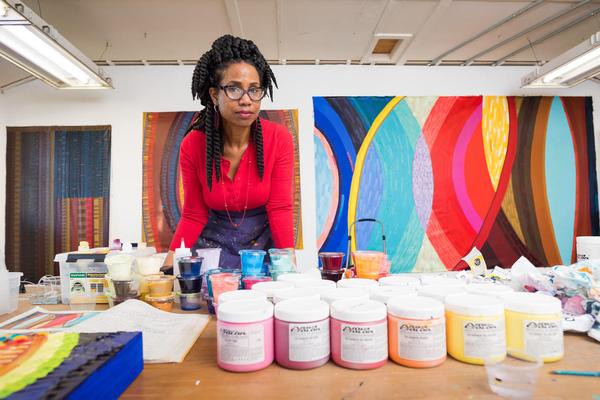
(332,261)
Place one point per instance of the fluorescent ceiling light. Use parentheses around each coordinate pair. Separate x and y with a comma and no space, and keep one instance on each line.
(33,45)
(570,68)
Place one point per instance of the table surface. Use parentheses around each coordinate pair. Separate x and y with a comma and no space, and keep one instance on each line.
(200,377)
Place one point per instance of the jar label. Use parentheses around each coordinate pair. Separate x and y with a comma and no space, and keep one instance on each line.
(484,338)
(543,338)
(364,344)
(422,340)
(309,341)
(242,345)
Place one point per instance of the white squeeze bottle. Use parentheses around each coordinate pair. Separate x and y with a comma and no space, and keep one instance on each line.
(4,286)
(180,252)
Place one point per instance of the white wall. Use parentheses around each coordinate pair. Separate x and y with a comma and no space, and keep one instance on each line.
(144,89)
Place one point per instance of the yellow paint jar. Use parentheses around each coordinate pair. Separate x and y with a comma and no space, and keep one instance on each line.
(534,326)
(475,329)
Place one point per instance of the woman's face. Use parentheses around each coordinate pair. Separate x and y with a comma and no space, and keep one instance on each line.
(242,112)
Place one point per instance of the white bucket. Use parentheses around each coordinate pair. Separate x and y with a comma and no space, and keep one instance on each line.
(588,248)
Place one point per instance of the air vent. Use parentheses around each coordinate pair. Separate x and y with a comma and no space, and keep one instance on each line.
(386,46)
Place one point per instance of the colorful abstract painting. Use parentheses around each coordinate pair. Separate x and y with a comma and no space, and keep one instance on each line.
(57,194)
(511,176)
(162,200)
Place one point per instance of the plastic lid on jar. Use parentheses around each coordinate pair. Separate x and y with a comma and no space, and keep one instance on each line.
(270,287)
(241,295)
(439,292)
(320,285)
(357,283)
(415,307)
(474,305)
(344,293)
(356,310)
(588,239)
(488,289)
(399,280)
(245,311)
(294,278)
(295,293)
(301,310)
(384,293)
(440,280)
(531,303)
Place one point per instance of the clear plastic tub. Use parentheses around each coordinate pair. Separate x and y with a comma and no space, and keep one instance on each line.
(14,280)
(513,378)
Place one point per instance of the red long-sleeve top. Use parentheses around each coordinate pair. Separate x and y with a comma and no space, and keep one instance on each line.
(275,191)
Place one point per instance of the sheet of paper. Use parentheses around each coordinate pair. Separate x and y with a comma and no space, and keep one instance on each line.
(167,337)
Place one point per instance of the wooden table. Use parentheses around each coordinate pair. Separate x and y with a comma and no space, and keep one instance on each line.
(200,377)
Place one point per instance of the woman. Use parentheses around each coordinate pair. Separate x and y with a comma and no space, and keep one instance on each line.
(237,169)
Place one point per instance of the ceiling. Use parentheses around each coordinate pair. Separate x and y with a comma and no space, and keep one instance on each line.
(436,32)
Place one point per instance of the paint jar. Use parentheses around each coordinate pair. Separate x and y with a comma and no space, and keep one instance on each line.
(190,266)
(439,292)
(440,280)
(190,284)
(475,329)
(123,288)
(333,276)
(336,294)
(252,261)
(269,288)
(488,289)
(249,281)
(359,334)
(318,285)
(399,280)
(149,265)
(358,283)
(119,266)
(295,278)
(190,301)
(302,333)
(588,248)
(223,282)
(241,295)
(160,285)
(534,326)
(331,261)
(295,293)
(417,331)
(384,293)
(245,339)
(164,303)
(115,301)
(368,263)
(283,261)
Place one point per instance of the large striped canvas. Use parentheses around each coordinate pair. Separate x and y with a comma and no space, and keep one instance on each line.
(162,199)
(57,194)
(509,175)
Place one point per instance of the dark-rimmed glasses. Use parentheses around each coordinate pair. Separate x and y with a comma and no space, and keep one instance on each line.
(235,93)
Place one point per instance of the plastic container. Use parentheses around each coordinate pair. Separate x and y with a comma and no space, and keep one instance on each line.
(439,292)
(164,303)
(383,293)
(399,280)
(513,378)
(588,248)
(488,289)
(440,280)
(9,292)
(190,266)
(534,326)
(159,285)
(190,301)
(269,288)
(333,276)
(210,258)
(119,266)
(331,261)
(318,285)
(295,278)
(368,263)
(252,261)
(241,295)
(359,334)
(417,331)
(295,293)
(245,340)
(223,282)
(249,281)
(357,283)
(283,261)
(302,333)
(475,328)
(149,265)
(190,284)
(336,294)
(115,300)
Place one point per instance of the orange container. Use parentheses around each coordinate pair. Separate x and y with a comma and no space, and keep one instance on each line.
(368,263)
(417,331)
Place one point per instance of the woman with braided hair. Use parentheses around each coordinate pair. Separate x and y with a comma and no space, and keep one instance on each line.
(237,168)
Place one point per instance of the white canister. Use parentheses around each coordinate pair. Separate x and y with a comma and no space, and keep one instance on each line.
(269,288)
(294,279)
(241,295)
(295,293)
(399,280)
(336,294)
(321,285)
(357,283)
(588,248)
(488,289)
(439,292)
(383,293)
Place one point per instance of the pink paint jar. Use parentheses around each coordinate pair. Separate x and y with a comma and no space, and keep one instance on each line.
(245,335)
(249,281)
(301,333)
(359,334)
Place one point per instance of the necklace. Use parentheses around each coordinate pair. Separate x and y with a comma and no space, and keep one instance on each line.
(247,190)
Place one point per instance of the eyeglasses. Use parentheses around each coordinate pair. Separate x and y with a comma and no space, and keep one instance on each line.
(236,93)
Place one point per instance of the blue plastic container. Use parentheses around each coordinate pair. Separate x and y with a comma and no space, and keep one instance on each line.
(252,261)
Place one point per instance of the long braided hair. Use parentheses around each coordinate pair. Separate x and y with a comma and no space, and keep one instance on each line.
(225,51)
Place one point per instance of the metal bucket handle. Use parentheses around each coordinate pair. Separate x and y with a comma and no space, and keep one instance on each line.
(350,236)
